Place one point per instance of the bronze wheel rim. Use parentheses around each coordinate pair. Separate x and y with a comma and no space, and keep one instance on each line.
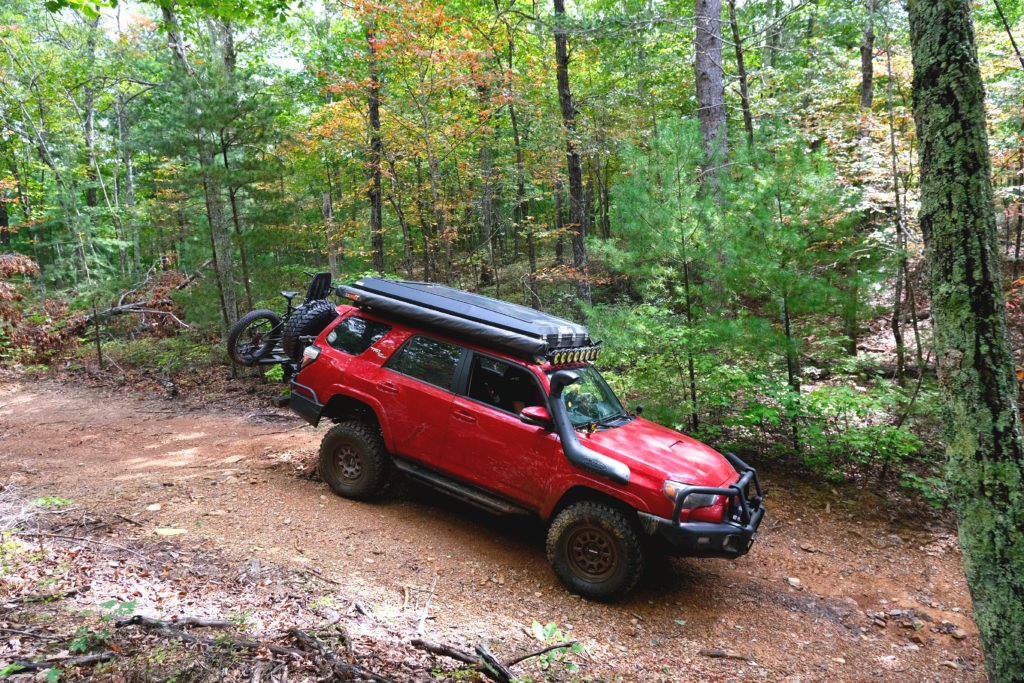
(348,463)
(592,554)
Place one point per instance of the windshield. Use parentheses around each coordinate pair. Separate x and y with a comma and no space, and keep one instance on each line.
(591,400)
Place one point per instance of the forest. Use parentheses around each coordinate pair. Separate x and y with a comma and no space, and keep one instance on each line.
(729,195)
(751,258)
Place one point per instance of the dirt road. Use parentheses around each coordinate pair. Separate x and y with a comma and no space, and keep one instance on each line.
(841,585)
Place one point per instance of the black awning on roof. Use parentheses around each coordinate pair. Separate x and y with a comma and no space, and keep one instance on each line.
(513,328)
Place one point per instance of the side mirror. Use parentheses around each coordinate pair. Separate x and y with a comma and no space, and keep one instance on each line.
(537,416)
(639,409)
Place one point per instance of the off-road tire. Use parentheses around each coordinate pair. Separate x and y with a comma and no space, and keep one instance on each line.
(308,320)
(353,460)
(254,336)
(595,550)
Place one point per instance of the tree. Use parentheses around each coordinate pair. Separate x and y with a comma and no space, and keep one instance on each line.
(212,182)
(710,84)
(984,445)
(578,216)
(376,154)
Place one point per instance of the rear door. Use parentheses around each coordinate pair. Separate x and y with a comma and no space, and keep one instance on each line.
(416,390)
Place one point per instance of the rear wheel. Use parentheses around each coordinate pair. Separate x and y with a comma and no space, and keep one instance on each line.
(254,336)
(308,320)
(353,460)
(595,550)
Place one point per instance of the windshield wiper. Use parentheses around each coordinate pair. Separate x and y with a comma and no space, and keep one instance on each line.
(621,418)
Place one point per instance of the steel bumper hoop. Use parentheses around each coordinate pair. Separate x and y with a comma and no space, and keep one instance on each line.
(743,508)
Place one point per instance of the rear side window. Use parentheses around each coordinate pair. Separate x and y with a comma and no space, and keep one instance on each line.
(354,334)
(429,360)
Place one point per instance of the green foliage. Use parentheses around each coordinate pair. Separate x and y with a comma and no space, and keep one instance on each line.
(929,487)
(52,502)
(718,308)
(10,550)
(557,659)
(85,640)
(181,352)
(118,608)
(846,427)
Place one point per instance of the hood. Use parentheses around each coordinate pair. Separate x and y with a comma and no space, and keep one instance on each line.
(642,444)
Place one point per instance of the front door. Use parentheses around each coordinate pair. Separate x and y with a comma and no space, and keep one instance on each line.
(488,445)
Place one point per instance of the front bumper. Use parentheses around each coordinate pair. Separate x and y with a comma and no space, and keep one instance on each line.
(730,538)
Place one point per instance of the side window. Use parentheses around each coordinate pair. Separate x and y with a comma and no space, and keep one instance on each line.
(426,359)
(354,334)
(503,385)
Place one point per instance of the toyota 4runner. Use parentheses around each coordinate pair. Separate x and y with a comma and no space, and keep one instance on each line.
(501,406)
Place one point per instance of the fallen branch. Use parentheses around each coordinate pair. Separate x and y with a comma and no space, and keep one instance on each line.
(28,665)
(423,617)
(30,634)
(445,651)
(348,671)
(718,653)
(128,519)
(167,628)
(138,307)
(50,597)
(484,662)
(494,668)
(538,653)
(43,534)
(199,621)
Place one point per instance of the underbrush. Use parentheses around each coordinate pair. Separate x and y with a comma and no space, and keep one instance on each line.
(846,422)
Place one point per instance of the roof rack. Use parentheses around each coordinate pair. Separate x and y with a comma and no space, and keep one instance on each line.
(509,327)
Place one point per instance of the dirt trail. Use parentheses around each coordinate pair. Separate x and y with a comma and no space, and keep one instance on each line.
(839,587)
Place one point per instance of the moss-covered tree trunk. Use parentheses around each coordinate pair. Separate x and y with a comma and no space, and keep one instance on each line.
(984,444)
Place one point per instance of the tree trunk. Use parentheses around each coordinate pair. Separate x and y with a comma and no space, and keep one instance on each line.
(220,234)
(710,80)
(330,225)
(376,150)
(1019,211)
(560,221)
(5,221)
(396,199)
(577,198)
(867,58)
(128,161)
(488,211)
(741,74)
(984,445)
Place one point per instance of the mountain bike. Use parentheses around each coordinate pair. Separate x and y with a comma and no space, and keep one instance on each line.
(262,337)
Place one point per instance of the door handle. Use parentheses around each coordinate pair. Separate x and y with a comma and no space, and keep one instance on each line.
(388,387)
(463,416)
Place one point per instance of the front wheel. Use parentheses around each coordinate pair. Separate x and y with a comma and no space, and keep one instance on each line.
(353,460)
(595,550)
(254,336)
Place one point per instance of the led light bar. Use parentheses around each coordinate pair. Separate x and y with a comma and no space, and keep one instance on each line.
(584,354)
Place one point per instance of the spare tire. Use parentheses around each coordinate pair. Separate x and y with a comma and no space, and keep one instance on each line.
(308,320)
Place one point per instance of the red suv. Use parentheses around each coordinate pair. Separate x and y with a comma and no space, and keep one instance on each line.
(500,405)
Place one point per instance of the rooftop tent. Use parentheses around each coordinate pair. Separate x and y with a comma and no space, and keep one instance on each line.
(506,326)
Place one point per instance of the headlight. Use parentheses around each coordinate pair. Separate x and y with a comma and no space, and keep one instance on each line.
(693,501)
